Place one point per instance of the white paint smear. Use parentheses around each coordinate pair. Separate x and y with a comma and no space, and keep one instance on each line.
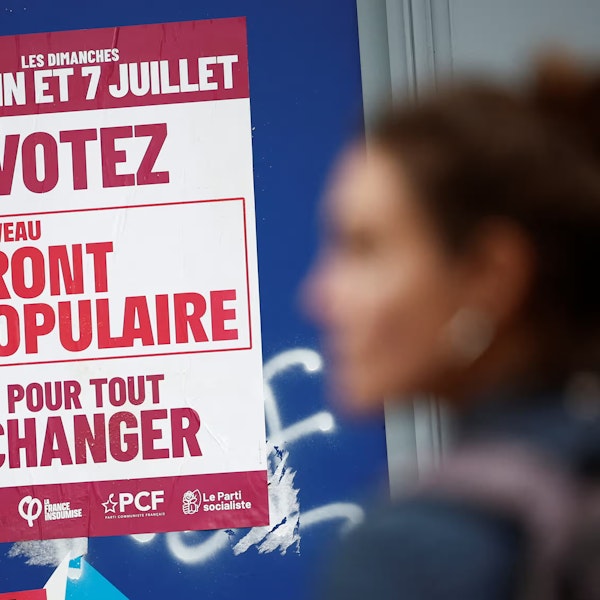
(284,514)
(49,553)
(350,514)
(199,552)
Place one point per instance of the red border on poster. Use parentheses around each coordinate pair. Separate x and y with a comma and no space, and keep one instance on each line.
(120,507)
(167,77)
(134,207)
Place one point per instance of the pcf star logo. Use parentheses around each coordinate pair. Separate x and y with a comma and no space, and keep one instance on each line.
(110,505)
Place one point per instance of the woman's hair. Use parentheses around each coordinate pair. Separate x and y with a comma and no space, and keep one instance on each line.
(530,156)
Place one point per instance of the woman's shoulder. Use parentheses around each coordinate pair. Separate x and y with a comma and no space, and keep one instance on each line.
(428,547)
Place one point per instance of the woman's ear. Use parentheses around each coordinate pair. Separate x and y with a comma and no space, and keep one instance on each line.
(499,273)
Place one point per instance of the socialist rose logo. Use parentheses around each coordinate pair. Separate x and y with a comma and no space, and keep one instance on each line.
(191,502)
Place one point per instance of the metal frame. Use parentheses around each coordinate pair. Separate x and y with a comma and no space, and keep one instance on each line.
(406,48)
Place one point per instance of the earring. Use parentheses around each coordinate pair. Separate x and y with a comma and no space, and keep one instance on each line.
(470,333)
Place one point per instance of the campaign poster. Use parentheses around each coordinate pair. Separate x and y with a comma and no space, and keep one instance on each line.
(131,396)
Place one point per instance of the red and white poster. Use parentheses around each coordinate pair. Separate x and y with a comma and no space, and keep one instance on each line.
(130,358)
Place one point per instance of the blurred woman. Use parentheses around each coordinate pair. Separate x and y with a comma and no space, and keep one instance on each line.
(460,260)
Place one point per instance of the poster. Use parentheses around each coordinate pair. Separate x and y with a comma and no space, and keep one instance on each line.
(130,359)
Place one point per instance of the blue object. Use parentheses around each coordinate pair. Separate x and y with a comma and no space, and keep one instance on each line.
(91,585)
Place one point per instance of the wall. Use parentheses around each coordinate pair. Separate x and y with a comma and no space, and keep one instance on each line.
(305,91)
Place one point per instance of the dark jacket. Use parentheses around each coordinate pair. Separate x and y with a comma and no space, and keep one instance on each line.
(428,547)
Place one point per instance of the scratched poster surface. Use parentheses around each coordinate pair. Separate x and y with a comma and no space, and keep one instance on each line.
(131,377)
(305,94)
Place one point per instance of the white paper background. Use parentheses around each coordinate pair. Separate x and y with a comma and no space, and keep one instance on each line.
(184,248)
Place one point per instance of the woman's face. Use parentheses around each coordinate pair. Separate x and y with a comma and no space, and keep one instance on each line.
(383,289)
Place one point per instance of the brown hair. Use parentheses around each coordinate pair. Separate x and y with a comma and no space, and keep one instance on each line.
(477,152)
